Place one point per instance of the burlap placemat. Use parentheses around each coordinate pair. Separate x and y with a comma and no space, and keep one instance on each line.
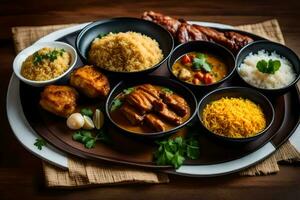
(85,173)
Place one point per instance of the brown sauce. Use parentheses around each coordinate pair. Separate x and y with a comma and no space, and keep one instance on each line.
(124,123)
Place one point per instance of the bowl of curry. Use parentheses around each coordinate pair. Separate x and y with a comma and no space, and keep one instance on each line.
(152,107)
(201,65)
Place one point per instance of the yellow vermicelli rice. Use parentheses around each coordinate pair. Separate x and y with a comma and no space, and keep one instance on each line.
(125,52)
(234,117)
(45,64)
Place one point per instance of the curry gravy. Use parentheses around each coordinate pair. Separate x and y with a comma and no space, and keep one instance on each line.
(124,123)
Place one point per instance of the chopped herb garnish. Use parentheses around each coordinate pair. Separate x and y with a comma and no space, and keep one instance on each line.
(87,112)
(37,58)
(269,67)
(51,55)
(116,103)
(174,151)
(39,143)
(201,55)
(200,63)
(166,90)
(88,140)
(128,90)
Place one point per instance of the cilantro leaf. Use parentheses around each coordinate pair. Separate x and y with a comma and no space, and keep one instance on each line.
(177,160)
(201,56)
(166,90)
(51,55)
(87,112)
(274,65)
(88,140)
(90,143)
(174,151)
(84,137)
(103,136)
(128,90)
(269,67)
(200,63)
(116,103)
(39,143)
(262,66)
(37,58)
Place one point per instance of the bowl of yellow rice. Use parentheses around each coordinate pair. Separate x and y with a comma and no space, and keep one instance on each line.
(236,113)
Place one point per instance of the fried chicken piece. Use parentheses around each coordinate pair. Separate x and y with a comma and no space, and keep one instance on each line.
(177,103)
(90,81)
(155,122)
(131,114)
(59,100)
(162,109)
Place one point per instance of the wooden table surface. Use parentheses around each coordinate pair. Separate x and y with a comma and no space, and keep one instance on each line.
(21,173)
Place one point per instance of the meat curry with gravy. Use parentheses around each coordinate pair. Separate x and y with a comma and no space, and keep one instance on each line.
(149,108)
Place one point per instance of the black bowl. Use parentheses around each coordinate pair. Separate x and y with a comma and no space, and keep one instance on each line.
(155,80)
(124,24)
(237,92)
(205,46)
(270,47)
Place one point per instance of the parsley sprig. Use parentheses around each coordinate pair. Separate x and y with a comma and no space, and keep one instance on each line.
(128,90)
(269,67)
(166,90)
(116,103)
(39,143)
(88,140)
(174,151)
(87,111)
(200,63)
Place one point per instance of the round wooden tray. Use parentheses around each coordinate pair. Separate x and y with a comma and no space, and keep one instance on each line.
(129,151)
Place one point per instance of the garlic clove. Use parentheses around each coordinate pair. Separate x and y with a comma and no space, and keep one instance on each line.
(88,123)
(98,119)
(75,121)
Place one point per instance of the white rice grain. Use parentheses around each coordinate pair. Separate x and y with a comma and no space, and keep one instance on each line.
(283,77)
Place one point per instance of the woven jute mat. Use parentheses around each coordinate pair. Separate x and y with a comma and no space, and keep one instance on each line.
(83,173)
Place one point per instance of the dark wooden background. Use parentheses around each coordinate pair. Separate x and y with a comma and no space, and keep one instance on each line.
(21,173)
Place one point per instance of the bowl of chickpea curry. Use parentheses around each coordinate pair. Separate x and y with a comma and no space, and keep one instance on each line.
(201,64)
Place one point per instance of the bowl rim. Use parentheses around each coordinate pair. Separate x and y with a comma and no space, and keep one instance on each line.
(193,114)
(291,52)
(262,96)
(201,42)
(103,21)
(17,67)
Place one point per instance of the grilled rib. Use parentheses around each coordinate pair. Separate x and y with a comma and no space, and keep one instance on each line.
(185,32)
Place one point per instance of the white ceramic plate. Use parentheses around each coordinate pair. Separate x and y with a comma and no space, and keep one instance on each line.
(26,135)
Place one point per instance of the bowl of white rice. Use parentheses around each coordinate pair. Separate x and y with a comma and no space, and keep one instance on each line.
(268,66)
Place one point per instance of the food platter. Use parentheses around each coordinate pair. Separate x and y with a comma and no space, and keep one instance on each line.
(225,159)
